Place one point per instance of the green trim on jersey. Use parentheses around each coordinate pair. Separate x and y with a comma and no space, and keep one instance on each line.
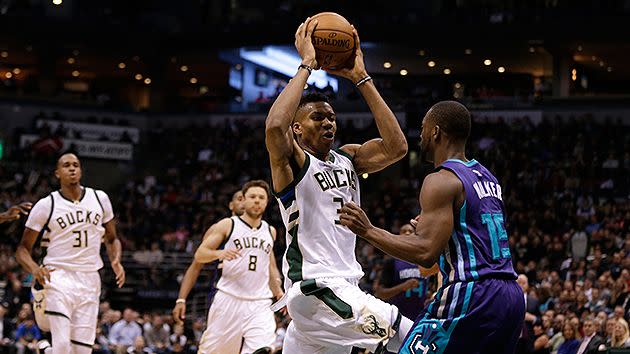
(287,195)
(341,152)
(294,255)
(298,178)
(328,297)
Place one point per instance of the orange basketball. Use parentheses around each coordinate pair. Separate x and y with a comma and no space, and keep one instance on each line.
(333,40)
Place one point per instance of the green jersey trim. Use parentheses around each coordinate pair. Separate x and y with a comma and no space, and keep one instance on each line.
(341,152)
(328,297)
(294,255)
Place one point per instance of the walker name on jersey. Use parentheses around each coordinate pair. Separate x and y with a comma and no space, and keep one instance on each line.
(79,216)
(487,189)
(336,179)
(252,242)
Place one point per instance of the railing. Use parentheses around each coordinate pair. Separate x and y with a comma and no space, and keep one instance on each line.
(156,286)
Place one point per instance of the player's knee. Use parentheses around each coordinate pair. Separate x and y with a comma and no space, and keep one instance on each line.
(265,350)
(62,345)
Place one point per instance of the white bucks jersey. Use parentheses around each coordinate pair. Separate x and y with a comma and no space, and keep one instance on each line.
(317,244)
(247,276)
(71,232)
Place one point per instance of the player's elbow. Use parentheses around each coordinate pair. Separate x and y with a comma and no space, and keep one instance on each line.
(398,149)
(275,123)
(379,293)
(426,259)
(195,266)
(402,149)
(198,257)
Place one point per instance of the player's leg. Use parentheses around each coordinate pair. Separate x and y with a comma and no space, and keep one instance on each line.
(60,328)
(511,315)
(223,334)
(334,312)
(58,311)
(259,328)
(84,317)
(296,342)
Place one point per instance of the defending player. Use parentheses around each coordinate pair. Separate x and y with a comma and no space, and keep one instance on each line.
(402,284)
(330,313)
(70,224)
(480,307)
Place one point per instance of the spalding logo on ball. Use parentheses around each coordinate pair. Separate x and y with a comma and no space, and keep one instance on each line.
(333,40)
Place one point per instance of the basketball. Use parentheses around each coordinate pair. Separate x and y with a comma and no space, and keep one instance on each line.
(333,40)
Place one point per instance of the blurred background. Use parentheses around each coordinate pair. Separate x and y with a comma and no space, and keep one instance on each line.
(165,102)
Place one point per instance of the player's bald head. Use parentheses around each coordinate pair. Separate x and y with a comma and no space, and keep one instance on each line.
(68,157)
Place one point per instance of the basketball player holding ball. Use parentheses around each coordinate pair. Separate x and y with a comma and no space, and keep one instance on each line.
(330,313)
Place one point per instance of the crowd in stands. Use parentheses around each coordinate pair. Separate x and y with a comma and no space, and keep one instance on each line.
(566,183)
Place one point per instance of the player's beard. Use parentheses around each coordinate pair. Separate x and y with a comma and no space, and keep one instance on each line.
(425,156)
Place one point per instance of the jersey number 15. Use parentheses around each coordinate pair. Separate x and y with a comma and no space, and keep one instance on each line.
(494,223)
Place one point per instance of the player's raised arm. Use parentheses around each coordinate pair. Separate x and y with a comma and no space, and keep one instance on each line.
(376,154)
(208,252)
(439,192)
(278,134)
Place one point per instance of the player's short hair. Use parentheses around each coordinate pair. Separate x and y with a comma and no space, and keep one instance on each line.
(59,156)
(313,97)
(452,117)
(235,193)
(256,183)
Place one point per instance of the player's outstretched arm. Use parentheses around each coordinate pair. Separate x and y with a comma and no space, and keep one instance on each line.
(378,153)
(114,251)
(208,252)
(278,134)
(15,212)
(437,196)
(190,278)
(386,293)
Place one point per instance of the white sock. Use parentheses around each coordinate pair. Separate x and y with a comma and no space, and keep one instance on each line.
(396,341)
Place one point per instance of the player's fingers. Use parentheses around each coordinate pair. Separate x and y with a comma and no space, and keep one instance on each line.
(352,206)
(413,222)
(357,42)
(298,32)
(349,210)
(311,28)
(347,220)
(25,207)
